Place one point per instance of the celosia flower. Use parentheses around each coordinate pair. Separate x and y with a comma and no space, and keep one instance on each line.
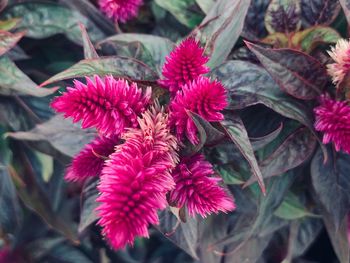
(184,64)
(202,96)
(89,162)
(341,55)
(197,189)
(109,105)
(333,120)
(120,10)
(8,256)
(136,179)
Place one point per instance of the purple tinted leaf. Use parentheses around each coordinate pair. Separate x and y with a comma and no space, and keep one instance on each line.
(298,74)
(259,143)
(319,12)
(89,49)
(345,4)
(283,16)
(254,26)
(3,4)
(9,40)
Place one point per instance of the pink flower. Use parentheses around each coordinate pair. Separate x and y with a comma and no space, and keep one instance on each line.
(89,162)
(135,180)
(109,105)
(8,256)
(333,120)
(184,64)
(120,10)
(202,96)
(341,56)
(197,189)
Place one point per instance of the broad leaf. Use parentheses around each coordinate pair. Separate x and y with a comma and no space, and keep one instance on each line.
(221,28)
(183,10)
(331,180)
(116,66)
(44,19)
(298,74)
(283,16)
(14,82)
(8,40)
(237,133)
(319,12)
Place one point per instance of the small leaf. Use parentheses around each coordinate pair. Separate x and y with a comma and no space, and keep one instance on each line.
(116,66)
(59,133)
(283,16)
(88,205)
(259,143)
(3,4)
(183,10)
(221,28)
(291,208)
(277,40)
(229,175)
(254,25)
(235,129)
(14,82)
(44,19)
(9,40)
(89,49)
(298,74)
(9,24)
(319,12)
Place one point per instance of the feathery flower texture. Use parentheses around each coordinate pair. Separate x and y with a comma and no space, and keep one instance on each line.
(333,119)
(198,189)
(136,179)
(89,162)
(202,96)
(120,10)
(109,105)
(341,56)
(184,64)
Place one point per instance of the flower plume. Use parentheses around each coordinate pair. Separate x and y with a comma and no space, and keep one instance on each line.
(341,56)
(120,10)
(184,64)
(109,105)
(333,120)
(202,96)
(136,179)
(197,189)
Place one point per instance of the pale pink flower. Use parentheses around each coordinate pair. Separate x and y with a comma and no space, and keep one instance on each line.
(341,56)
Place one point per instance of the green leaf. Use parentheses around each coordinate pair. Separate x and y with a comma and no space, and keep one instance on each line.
(296,73)
(116,66)
(221,28)
(44,19)
(9,24)
(59,133)
(229,174)
(291,208)
(9,40)
(283,16)
(183,10)
(89,49)
(88,214)
(205,5)
(236,131)
(14,82)
(157,47)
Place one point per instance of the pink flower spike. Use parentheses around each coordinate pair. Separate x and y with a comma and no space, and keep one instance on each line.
(202,96)
(135,180)
(333,120)
(341,56)
(109,105)
(120,10)
(196,189)
(184,64)
(89,162)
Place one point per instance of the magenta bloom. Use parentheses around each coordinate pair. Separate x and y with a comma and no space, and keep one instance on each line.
(197,189)
(184,64)
(120,10)
(202,96)
(333,120)
(109,105)
(89,162)
(135,180)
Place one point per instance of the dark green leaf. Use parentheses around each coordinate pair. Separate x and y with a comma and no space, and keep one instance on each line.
(236,131)
(205,5)
(319,12)
(221,28)
(283,16)
(116,66)
(260,142)
(298,74)
(44,19)
(331,180)
(14,82)
(8,40)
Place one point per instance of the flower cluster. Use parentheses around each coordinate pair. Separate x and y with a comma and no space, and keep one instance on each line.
(333,116)
(136,154)
(120,10)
